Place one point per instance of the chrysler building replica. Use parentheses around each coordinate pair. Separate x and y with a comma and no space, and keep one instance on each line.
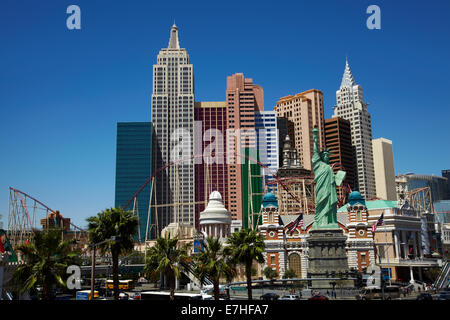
(172,112)
(351,106)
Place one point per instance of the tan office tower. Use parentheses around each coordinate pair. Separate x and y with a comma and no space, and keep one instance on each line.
(244,98)
(305,110)
(351,106)
(383,162)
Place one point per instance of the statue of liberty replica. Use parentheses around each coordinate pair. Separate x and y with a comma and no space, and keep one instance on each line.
(326,181)
(326,242)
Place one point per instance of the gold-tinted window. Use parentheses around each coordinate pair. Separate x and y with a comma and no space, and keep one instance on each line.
(295,264)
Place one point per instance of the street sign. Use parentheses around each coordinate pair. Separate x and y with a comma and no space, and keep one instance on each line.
(387,273)
(198,246)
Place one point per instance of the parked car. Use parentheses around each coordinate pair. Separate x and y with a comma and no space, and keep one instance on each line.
(372,292)
(290,297)
(424,296)
(269,296)
(123,296)
(135,296)
(318,297)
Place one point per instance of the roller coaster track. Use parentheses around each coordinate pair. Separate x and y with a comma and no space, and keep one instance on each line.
(158,171)
(24,210)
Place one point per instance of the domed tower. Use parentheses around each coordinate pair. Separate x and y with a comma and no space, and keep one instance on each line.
(269,208)
(272,232)
(215,220)
(360,239)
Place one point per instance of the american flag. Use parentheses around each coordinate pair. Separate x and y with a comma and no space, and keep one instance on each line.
(380,222)
(297,223)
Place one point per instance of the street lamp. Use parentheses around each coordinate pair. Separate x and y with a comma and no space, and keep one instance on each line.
(94,245)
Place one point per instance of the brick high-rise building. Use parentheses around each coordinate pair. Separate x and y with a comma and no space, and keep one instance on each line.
(338,140)
(244,98)
(305,110)
(214,176)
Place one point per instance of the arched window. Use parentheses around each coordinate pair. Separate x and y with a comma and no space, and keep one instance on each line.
(270,216)
(358,215)
(295,264)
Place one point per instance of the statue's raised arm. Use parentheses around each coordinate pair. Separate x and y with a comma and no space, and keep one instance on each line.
(316,156)
(316,140)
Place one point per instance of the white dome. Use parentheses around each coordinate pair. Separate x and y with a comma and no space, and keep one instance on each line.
(215,212)
(215,195)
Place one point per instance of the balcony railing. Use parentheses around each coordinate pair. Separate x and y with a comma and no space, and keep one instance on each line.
(414,262)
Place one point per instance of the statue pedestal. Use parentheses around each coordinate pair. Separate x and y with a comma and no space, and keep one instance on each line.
(327,257)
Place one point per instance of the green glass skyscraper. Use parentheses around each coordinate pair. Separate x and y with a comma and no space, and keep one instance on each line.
(133,169)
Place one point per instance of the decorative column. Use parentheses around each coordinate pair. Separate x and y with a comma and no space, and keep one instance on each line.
(405,244)
(397,245)
(411,274)
(415,252)
(419,244)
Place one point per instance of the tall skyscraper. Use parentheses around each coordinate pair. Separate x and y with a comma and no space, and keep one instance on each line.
(172,113)
(338,140)
(351,106)
(305,110)
(383,162)
(133,168)
(252,188)
(244,98)
(267,133)
(214,176)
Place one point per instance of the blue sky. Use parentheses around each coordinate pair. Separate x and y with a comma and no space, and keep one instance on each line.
(63,91)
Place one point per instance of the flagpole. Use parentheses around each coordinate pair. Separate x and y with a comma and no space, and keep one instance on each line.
(387,253)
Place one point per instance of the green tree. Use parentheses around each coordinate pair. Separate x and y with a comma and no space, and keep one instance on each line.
(213,263)
(269,273)
(244,247)
(46,259)
(110,223)
(167,257)
(289,274)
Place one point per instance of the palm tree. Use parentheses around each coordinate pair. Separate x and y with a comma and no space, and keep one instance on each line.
(213,263)
(110,223)
(244,247)
(167,257)
(46,259)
